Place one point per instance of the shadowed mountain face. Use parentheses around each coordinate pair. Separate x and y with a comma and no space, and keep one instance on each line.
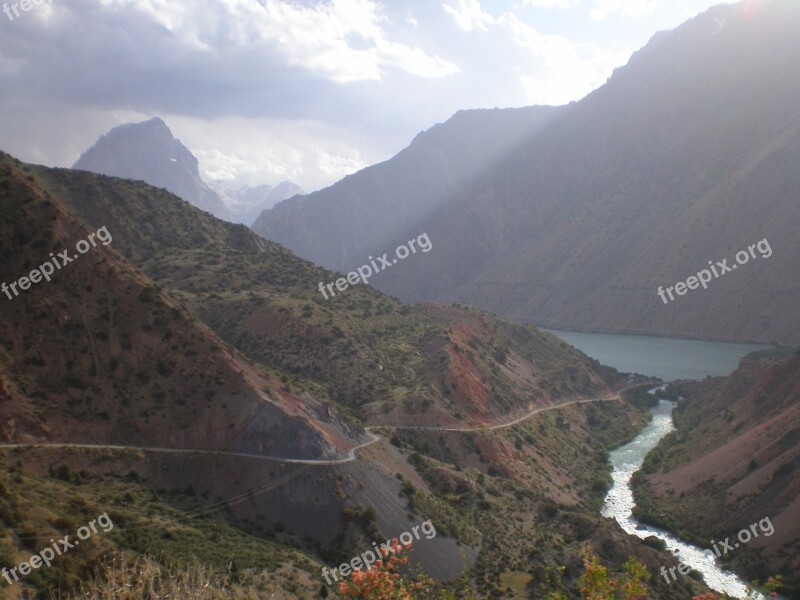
(340,226)
(148,151)
(687,155)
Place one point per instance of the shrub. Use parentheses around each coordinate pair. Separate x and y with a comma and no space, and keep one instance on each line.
(145,579)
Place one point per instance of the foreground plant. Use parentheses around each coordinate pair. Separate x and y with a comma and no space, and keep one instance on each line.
(382,581)
(146,579)
(596,584)
(770,587)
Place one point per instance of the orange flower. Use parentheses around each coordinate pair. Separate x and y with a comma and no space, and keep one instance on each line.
(381,581)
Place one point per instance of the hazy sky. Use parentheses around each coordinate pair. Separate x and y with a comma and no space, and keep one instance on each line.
(309,91)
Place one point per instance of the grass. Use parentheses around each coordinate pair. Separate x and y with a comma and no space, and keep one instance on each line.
(36,507)
(122,578)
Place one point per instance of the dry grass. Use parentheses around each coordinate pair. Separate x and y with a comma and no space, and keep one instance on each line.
(146,579)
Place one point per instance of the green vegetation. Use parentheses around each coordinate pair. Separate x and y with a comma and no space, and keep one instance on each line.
(365,351)
(35,508)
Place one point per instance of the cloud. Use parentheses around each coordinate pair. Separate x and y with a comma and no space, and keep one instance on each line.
(337,165)
(469,15)
(560,4)
(303,89)
(342,40)
(548,69)
(253,151)
(625,8)
(560,70)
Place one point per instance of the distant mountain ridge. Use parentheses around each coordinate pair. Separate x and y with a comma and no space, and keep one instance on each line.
(246,203)
(342,224)
(148,151)
(687,155)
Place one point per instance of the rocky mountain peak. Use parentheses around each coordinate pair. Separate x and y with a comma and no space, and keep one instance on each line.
(149,152)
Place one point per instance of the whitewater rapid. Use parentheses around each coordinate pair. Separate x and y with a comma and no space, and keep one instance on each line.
(628,459)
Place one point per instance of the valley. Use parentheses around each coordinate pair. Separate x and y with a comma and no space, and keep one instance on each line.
(543,384)
(665,167)
(202,344)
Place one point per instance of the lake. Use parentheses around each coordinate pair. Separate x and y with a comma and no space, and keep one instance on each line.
(667,358)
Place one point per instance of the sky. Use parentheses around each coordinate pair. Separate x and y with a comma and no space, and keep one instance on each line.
(263,91)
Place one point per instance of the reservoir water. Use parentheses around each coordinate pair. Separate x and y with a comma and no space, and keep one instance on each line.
(667,358)
(626,460)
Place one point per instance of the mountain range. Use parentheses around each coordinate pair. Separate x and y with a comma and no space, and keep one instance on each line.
(575,218)
(190,336)
(248,202)
(203,358)
(243,431)
(148,152)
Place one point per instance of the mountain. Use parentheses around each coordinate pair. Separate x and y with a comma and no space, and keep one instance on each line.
(246,203)
(340,226)
(188,333)
(148,152)
(377,358)
(735,455)
(684,156)
(140,369)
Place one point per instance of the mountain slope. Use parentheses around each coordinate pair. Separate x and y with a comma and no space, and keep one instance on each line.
(384,361)
(148,151)
(340,226)
(735,455)
(511,502)
(99,355)
(685,156)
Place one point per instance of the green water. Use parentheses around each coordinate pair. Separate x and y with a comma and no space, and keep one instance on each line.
(667,358)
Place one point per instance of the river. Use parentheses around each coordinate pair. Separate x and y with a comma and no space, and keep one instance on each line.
(626,460)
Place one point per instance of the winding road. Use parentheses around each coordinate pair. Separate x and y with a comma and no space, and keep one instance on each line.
(350,455)
(524,417)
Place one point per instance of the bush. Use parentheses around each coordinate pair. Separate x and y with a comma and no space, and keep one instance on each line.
(655,542)
(63,473)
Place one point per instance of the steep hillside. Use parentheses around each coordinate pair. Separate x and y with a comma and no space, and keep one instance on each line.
(42,498)
(148,152)
(385,361)
(736,456)
(99,354)
(340,226)
(685,156)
